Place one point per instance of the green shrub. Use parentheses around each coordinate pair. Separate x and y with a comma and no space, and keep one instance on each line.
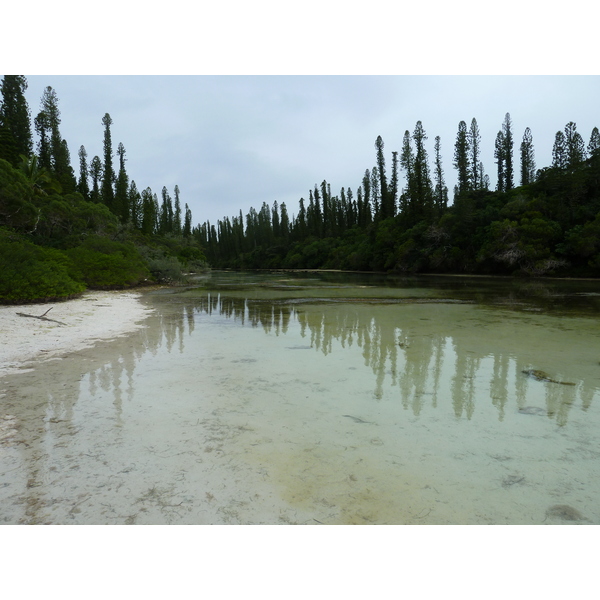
(30,273)
(103,264)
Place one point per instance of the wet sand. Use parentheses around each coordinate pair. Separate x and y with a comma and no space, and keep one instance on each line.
(72,325)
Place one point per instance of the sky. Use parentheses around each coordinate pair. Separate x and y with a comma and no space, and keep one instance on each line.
(232,142)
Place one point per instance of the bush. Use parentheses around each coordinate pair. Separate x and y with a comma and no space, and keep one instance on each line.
(30,273)
(104,264)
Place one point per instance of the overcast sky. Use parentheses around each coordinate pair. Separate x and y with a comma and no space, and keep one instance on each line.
(232,142)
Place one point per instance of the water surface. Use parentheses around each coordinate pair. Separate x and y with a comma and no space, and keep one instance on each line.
(319,398)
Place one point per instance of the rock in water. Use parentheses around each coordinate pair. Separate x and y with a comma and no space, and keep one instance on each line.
(565,512)
(543,376)
(532,410)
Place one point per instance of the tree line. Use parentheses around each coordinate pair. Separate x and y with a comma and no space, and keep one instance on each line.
(60,233)
(546,223)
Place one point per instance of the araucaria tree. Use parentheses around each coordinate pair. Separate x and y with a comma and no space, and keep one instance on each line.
(15,119)
(461,158)
(527,159)
(440,193)
(83,186)
(108,175)
(594,145)
(575,146)
(559,151)
(423,191)
(407,160)
(52,150)
(474,154)
(508,153)
(96,175)
(499,149)
(386,207)
(121,200)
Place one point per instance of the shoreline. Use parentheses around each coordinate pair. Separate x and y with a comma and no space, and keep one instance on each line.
(73,325)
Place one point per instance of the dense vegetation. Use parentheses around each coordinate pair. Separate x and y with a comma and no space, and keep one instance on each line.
(549,224)
(60,235)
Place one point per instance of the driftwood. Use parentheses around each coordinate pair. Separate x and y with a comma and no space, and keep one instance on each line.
(42,317)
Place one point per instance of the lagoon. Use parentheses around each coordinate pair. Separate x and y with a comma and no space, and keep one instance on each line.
(319,398)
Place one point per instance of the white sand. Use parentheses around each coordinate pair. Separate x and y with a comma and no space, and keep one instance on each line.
(97,315)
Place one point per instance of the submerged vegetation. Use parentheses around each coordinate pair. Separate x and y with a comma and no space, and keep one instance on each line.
(61,234)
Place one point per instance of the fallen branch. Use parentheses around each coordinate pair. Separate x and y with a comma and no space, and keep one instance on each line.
(42,317)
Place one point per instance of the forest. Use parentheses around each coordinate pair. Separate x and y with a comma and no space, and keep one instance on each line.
(61,233)
(547,225)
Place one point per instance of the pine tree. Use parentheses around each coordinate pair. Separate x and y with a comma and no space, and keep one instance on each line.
(96,175)
(499,150)
(166,213)
(149,215)
(366,200)
(484,178)
(407,163)
(135,206)
(177,213)
(461,158)
(284,222)
(327,227)
(275,222)
(559,151)
(187,225)
(441,191)
(44,153)
(375,193)
(63,169)
(121,205)
(508,153)
(393,184)
(53,150)
(385,209)
(594,145)
(474,154)
(575,146)
(301,225)
(15,117)
(423,189)
(527,159)
(108,175)
(83,186)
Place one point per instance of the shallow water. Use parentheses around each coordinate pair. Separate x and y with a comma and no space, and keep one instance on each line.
(319,398)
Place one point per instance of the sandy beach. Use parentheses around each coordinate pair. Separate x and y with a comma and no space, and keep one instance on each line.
(74,325)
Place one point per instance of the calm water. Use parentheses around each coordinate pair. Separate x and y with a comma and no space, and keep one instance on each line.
(319,398)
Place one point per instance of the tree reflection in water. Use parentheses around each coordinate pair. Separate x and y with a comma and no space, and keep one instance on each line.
(425,348)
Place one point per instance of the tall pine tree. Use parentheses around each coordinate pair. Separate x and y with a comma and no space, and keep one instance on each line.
(441,191)
(107,192)
(508,153)
(499,155)
(83,186)
(423,190)
(15,119)
(461,158)
(96,175)
(121,200)
(527,158)
(474,154)
(594,145)
(559,151)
